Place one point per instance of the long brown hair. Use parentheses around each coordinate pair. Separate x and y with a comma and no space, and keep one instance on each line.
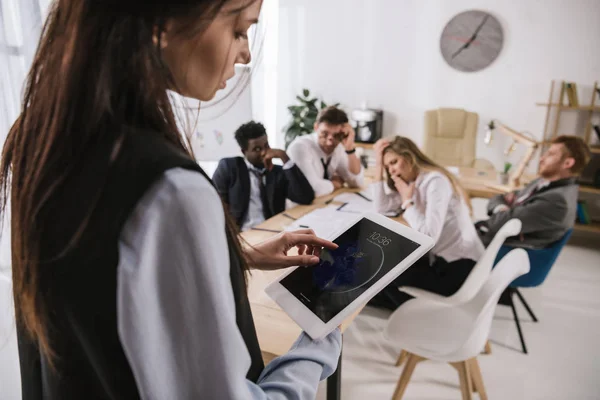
(407,149)
(96,70)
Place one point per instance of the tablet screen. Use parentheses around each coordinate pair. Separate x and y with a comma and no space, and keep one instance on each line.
(367,251)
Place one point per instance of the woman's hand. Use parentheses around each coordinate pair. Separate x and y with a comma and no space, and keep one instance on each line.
(378,148)
(406,190)
(272,253)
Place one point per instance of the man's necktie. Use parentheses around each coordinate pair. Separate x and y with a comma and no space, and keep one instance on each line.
(325,166)
(263,192)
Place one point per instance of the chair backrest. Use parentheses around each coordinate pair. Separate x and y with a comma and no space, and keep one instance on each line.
(483,305)
(541,261)
(481,271)
(450,136)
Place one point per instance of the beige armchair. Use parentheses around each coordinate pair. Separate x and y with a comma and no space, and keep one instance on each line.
(450,136)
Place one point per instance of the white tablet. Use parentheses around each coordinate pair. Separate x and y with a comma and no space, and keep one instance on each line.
(373,250)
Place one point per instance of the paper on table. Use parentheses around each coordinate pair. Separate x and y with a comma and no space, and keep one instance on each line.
(351,198)
(324,221)
(355,202)
(357,207)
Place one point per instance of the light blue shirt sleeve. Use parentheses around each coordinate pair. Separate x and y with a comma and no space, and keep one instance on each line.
(176,311)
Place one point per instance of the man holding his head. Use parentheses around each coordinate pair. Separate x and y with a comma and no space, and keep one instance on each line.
(327,157)
(252,186)
(547,207)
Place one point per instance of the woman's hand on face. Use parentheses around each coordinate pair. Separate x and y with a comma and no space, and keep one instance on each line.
(406,190)
(272,253)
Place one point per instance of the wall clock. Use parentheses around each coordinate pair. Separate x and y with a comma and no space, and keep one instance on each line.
(471,41)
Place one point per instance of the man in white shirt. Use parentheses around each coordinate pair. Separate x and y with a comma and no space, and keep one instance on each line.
(327,157)
(252,187)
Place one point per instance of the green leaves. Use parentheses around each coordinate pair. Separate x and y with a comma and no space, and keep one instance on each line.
(304,114)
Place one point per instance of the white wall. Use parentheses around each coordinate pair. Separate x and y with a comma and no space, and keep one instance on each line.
(386,52)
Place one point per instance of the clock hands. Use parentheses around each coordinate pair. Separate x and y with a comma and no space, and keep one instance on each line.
(472,39)
(466,45)
(480,26)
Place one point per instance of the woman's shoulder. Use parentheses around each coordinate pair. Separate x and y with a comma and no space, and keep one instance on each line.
(434,178)
(182,181)
(182,188)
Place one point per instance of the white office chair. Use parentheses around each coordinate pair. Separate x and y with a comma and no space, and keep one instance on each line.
(427,329)
(10,376)
(479,274)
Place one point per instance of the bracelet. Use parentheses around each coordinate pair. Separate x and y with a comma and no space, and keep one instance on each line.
(351,151)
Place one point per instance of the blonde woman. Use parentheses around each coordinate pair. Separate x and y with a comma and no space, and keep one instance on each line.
(431,201)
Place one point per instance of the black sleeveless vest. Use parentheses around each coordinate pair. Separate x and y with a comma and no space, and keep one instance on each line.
(80,284)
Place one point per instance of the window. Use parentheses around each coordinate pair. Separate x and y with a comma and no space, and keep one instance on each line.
(20,26)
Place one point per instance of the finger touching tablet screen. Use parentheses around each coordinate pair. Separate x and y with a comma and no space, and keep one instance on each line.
(373,250)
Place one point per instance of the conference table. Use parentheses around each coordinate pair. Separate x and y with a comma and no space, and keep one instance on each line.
(275,329)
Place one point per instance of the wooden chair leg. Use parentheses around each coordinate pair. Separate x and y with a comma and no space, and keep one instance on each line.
(411,363)
(477,378)
(464,374)
(488,348)
(401,358)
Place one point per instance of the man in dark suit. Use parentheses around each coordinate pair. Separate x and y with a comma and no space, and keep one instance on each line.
(547,207)
(252,186)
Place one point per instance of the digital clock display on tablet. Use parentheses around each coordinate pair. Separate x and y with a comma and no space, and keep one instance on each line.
(366,252)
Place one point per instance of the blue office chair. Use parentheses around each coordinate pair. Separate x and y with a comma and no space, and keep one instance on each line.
(541,262)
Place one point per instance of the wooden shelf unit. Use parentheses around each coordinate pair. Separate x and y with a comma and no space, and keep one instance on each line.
(558,106)
(570,108)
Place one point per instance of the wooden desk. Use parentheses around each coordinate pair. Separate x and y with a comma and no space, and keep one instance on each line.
(484,183)
(478,183)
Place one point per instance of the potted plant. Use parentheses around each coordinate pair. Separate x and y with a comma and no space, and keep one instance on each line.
(504,174)
(304,115)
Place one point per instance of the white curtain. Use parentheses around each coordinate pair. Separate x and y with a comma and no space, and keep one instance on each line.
(20,27)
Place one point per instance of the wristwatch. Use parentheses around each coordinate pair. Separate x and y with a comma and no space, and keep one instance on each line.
(351,151)
(407,203)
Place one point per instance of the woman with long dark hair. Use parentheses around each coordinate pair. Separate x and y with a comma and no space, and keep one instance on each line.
(128,277)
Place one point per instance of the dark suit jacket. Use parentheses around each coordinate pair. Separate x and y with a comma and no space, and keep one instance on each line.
(232,180)
(546,215)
